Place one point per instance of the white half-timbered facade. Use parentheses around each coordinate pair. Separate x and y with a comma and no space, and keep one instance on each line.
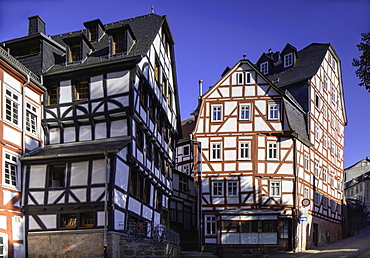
(261,155)
(111,121)
(21,131)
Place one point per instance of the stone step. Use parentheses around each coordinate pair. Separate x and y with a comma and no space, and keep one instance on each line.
(184,254)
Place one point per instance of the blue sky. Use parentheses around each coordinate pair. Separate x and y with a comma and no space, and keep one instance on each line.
(211,35)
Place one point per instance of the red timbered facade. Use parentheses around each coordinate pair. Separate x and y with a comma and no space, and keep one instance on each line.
(271,135)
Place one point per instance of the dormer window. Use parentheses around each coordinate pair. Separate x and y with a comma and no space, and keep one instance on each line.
(95,30)
(264,68)
(122,40)
(119,45)
(74,52)
(93,34)
(288,60)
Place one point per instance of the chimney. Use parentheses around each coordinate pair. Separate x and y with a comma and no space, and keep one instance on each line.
(200,89)
(35,25)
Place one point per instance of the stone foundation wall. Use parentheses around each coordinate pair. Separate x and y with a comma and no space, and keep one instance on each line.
(76,245)
(121,246)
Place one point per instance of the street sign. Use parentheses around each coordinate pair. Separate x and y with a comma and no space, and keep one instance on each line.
(306,202)
(302,218)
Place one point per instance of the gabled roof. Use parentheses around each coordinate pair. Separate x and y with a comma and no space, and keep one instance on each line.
(144,29)
(307,65)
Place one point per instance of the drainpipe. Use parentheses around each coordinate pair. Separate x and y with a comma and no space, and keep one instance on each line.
(23,152)
(295,210)
(107,170)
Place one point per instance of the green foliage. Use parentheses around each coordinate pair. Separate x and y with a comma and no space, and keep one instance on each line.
(363,63)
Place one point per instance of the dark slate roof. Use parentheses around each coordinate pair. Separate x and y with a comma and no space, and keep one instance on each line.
(296,122)
(144,29)
(187,127)
(75,149)
(357,169)
(308,63)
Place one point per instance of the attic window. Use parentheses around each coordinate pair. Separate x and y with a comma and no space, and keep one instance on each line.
(119,45)
(74,52)
(288,60)
(93,33)
(264,68)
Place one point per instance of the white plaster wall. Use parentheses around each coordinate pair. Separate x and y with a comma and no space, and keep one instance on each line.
(37,176)
(85,133)
(8,196)
(12,82)
(31,143)
(147,212)
(96,192)
(53,195)
(3,223)
(119,220)
(38,196)
(49,221)
(96,87)
(69,134)
(100,130)
(122,173)
(79,193)
(65,92)
(118,82)
(54,135)
(11,135)
(17,228)
(98,172)
(134,206)
(118,128)
(101,218)
(18,250)
(120,198)
(79,173)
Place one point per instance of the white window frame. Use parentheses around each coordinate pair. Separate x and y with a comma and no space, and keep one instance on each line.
(306,193)
(326,82)
(217,188)
(317,169)
(264,67)
(324,141)
(216,113)
(11,161)
(216,151)
(306,162)
(232,188)
(244,150)
(273,111)
(245,112)
(288,60)
(14,100)
(275,188)
(324,175)
(248,78)
(272,151)
(210,225)
(31,118)
(4,245)
(240,78)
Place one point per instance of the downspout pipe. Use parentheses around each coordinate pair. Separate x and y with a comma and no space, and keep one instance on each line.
(27,83)
(107,170)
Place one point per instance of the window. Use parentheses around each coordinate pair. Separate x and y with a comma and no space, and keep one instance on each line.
(272,150)
(334,95)
(288,60)
(244,112)
(69,220)
(275,188)
(217,188)
(307,162)
(232,188)
(57,175)
(87,219)
(31,118)
(12,107)
(264,68)
(317,132)
(244,152)
(3,245)
(239,78)
(156,70)
(186,169)
(324,175)
(30,51)
(186,150)
(273,111)
(316,169)
(215,151)
(53,95)
(149,148)
(248,78)
(82,90)
(326,83)
(93,33)
(324,141)
(210,225)
(317,101)
(316,199)
(164,85)
(139,138)
(74,52)
(325,111)
(216,113)
(11,170)
(305,192)
(119,44)
(284,228)
(183,184)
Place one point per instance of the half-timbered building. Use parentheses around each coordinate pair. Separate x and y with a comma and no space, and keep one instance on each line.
(271,162)
(21,132)
(111,121)
(183,202)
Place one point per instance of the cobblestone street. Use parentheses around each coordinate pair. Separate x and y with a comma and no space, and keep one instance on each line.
(357,246)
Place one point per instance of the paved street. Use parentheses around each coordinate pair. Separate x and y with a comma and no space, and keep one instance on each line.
(357,246)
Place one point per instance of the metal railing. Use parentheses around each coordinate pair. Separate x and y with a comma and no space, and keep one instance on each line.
(140,231)
(13,61)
